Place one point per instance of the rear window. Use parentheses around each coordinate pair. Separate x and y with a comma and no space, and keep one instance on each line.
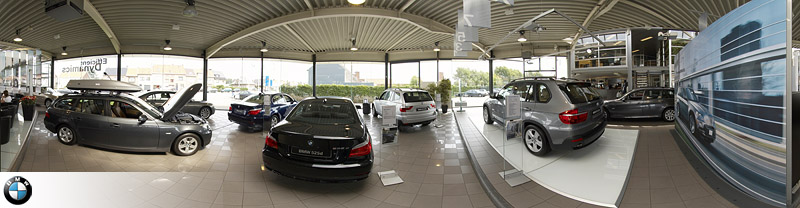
(324,111)
(580,92)
(257,99)
(417,97)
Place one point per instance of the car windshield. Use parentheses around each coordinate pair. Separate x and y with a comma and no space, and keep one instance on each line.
(143,105)
(580,92)
(417,97)
(257,99)
(324,111)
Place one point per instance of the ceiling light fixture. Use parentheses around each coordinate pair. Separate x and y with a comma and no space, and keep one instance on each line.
(589,50)
(167,47)
(522,36)
(64,51)
(356,2)
(647,38)
(17,38)
(190,10)
(618,42)
(264,47)
(436,48)
(634,51)
(353,40)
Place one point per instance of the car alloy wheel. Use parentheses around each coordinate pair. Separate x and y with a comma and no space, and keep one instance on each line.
(487,116)
(692,124)
(669,115)
(274,120)
(65,135)
(533,140)
(187,145)
(205,112)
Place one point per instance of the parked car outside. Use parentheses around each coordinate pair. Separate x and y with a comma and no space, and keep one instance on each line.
(474,93)
(643,103)
(252,113)
(696,115)
(555,113)
(159,97)
(413,106)
(322,139)
(47,97)
(227,90)
(124,122)
(243,94)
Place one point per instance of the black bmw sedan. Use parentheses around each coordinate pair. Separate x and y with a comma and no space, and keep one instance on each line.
(322,139)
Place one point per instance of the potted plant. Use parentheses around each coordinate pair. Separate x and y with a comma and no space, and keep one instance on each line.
(432,90)
(445,90)
(28,107)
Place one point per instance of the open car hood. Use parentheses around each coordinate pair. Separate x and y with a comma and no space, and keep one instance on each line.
(177,101)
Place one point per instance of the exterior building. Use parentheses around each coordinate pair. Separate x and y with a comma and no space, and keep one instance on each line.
(336,74)
(162,77)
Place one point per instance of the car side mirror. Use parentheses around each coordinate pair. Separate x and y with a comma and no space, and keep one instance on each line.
(142,119)
(377,98)
(358,107)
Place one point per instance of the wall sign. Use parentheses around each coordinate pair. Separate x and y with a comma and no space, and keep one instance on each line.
(388,112)
(92,66)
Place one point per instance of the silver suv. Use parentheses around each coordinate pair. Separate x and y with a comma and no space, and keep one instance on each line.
(555,113)
(413,106)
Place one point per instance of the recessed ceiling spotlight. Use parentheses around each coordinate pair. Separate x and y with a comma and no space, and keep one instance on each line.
(167,47)
(522,36)
(190,10)
(264,47)
(176,27)
(356,2)
(17,38)
(57,36)
(436,48)
(64,51)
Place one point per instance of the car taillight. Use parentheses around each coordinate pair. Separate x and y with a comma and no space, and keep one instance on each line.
(572,116)
(406,109)
(254,112)
(47,114)
(433,106)
(361,150)
(271,142)
(230,108)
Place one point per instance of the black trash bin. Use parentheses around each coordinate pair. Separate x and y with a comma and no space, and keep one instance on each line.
(5,129)
(365,107)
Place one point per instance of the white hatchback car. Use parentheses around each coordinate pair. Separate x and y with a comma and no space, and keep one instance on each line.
(414,106)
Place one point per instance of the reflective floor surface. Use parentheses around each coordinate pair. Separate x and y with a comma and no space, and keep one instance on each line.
(432,162)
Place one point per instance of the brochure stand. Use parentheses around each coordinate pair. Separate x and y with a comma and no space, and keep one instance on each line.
(512,175)
(388,136)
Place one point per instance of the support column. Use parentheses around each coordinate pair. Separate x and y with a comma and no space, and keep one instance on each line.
(119,67)
(386,71)
(205,76)
(262,73)
(52,72)
(491,72)
(419,74)
(437,66)
(629,62)
(314,75)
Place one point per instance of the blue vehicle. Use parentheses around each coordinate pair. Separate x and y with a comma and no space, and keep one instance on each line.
(251,111)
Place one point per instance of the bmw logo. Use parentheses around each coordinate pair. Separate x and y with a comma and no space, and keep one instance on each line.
(18,190)
(310,142)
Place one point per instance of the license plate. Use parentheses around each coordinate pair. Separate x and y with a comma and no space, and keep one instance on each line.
(311,153)
(422,109)
(595,111)
(238,111)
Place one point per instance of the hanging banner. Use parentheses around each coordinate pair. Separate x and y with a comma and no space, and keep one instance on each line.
(478,13)
(470,33)
(460,48)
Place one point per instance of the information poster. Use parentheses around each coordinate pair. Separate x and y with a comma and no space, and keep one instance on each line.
(389,115)
(512,107)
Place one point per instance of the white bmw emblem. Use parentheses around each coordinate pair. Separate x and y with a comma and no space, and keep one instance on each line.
(310,142)
(17,190)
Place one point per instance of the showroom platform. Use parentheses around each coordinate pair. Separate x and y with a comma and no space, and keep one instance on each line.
(660,175)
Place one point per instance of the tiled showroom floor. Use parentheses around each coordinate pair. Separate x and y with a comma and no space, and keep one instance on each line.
(431,161)
(661,175)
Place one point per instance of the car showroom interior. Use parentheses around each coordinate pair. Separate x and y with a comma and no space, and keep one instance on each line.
(399,103)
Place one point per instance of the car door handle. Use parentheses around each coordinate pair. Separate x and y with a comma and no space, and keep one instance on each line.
(526,109)
(114,125)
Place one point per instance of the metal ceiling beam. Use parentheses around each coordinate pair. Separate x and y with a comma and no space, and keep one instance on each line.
(401,39)
(300,38)
(420,22)
(310,8)
(592,15)
(89,9)
(405,6)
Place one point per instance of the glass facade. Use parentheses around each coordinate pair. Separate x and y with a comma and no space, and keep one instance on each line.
(21,71)
(590,53)
(90,67)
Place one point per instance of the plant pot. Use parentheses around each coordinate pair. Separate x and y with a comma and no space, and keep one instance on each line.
(27,112)
(444,108)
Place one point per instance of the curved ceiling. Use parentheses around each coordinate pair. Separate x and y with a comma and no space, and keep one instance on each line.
(298,28)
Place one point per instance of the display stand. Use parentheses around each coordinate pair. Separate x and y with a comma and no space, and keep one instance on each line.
(438,100)
(389,136)
(511,174)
